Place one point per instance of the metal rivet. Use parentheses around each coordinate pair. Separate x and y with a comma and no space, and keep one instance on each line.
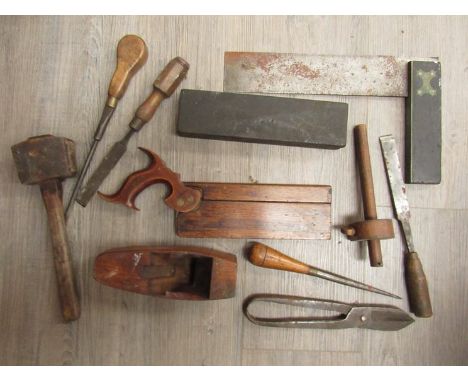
(363,318)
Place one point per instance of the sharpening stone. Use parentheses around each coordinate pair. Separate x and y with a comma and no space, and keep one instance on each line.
(262,119)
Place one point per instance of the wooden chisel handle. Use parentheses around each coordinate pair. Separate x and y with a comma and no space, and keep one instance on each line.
(132,54)
(166,83)
(416,286)
(266,257)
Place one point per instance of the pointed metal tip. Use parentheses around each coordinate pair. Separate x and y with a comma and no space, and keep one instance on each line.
(388,294)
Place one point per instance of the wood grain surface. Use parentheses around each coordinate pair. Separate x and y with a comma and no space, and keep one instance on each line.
(55,73)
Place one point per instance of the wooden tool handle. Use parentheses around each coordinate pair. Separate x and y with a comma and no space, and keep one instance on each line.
(267,257)
(416,286)
(132,54)
(166,83)
(69,301)
(147,109)
(181,198)
(367,189)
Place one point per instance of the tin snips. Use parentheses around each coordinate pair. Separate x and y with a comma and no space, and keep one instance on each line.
(364,316)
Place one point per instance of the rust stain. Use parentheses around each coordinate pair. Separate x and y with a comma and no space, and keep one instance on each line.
(251,61)
(231,58)
(264,61)
(391,66)
(300,70)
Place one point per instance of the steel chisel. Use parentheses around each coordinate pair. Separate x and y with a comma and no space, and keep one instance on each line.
(416,283)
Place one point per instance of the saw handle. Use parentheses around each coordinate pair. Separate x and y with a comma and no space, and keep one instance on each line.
(181,198)
(416,285)
(267,257)
(132,54)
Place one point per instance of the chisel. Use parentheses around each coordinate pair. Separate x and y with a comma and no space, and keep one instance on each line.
(132,54)
(166,83)
(267,257)
(416,283)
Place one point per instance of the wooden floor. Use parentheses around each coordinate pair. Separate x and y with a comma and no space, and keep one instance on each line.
(54,73)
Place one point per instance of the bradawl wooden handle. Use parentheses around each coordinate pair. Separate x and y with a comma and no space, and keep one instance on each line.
(266,257)
(132,54)
(416,285)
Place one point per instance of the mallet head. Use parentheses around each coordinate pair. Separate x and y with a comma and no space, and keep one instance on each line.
(44,157)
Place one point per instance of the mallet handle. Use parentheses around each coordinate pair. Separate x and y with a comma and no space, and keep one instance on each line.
(52,195)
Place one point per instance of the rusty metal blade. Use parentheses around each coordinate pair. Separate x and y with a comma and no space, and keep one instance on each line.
(251,72)
(105,167)
(395,179)
(397,187)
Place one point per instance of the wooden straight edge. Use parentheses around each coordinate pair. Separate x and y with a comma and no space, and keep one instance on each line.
(256,220)
(264,192)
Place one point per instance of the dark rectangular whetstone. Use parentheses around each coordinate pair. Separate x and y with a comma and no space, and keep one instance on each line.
(262,119)
(423,123)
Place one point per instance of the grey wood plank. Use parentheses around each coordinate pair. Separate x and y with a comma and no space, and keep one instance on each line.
(260,357)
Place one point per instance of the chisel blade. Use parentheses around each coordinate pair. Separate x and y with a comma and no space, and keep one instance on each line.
(395,179)
(104,168)
(397,186)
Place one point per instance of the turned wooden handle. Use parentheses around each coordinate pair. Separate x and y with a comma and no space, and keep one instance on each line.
(166,83)
(132,54)
(416,286)
(367,189)
(147,109)
(69,301)
(267,257)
